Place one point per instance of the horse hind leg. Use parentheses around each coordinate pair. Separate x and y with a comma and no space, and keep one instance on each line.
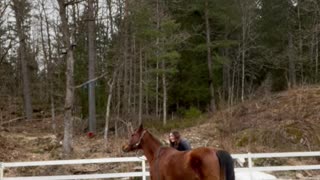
(203,169)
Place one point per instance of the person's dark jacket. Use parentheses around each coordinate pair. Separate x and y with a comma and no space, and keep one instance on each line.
(183,145)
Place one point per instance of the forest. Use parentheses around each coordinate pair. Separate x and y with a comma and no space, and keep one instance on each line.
(110,62)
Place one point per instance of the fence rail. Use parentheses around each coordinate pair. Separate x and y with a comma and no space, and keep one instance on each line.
(249,157)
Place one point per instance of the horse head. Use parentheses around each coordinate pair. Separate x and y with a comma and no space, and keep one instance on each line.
(134,142)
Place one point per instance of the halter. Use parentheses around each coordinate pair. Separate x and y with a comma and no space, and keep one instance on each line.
(138,143)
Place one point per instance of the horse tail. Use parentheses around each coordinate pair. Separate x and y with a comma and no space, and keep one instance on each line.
(226,165)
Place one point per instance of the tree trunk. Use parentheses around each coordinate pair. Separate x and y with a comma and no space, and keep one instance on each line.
(50,73)
(157,57)
(140,87)
(164,87)
(135,72)
(292,73)
(130,83)
(312,46)
(106,129)
(209,59)
(118,102)
(109,4)
(45,55)
(125,59)
(317,57)
(48,59)
(316,34)
(246,8)
(92,64)
(226,76)
(300,41)
(145,87)
(157,90)
(18,6)
(243,52)
(68,106)
(232,90)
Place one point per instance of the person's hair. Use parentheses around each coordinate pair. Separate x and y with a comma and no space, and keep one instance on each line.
(177,137)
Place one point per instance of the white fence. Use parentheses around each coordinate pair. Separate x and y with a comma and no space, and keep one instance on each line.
(144,173)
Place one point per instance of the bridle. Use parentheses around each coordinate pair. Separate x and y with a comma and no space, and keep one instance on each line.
(138,143)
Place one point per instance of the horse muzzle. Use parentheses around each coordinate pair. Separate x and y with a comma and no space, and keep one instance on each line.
(126,148)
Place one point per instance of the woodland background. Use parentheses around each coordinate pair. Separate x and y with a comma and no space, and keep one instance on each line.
(105,63)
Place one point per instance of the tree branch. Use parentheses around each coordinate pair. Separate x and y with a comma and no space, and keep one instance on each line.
(6,52)
(73,2)
(90,80)
(12,120)
(4,9)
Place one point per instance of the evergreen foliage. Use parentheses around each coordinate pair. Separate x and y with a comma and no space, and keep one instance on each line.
(161,45)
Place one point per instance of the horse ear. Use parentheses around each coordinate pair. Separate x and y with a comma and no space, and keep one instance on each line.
(130,128)
(141,127)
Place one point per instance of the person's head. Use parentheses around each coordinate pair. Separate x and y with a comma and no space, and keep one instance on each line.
(174,137)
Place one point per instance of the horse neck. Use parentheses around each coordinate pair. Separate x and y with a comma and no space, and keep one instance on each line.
(150,146)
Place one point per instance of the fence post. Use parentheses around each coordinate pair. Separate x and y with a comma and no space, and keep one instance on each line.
(250,165)
(1,170)
(144,170)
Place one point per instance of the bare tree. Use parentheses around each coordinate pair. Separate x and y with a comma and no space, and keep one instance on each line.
(209,57)
(20,8)
(157,56)
(109,4)
(316,34)
(244,20)
(292,69)
(246,8)
(47,52)
(107,118)
(110,89)
(314,50)
(3,51)
(140,86)
(165,95)
(125,38)
(92,60)
(69,99)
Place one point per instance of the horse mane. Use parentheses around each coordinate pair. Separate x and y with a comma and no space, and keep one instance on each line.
(155,138)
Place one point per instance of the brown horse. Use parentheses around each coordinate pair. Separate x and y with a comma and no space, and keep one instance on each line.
(167,163)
